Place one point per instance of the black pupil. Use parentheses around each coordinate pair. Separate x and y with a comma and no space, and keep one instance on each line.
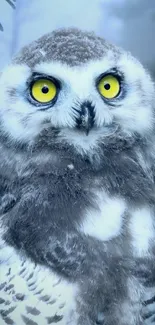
(107,86)
(45,90)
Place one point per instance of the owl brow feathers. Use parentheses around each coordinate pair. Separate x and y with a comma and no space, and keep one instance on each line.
(61,45)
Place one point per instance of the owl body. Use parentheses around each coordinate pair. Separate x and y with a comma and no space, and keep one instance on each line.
(77,179)
(104,234)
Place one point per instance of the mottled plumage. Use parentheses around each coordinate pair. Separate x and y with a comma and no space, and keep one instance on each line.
(72,47)
(77,186)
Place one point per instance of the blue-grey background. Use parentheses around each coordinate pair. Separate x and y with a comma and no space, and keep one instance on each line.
(128,23)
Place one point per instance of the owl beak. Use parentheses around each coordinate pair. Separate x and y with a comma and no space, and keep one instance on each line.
(86,118)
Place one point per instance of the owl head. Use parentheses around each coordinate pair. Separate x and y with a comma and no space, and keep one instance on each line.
(79,86)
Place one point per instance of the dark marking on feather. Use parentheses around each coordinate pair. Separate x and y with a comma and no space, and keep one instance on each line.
(2,285)
(28,321)
(45,298)
(20,296)
(149,314)
(30,276)
(31,284)
(149,301)
(53,301)
(9,271)
(8,320)
(9,287)
(22,271)
(54,319)
(11,4)
(7,303)
(54,285)
(5,313)
(32,310)
(39,292)
(1,28)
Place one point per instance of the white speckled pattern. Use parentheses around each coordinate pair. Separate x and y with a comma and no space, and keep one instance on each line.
(33,295)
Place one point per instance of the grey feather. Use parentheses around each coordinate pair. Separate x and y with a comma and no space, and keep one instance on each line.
(70,46)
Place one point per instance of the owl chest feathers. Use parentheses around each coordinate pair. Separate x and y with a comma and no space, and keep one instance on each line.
(68,193)
(56,196)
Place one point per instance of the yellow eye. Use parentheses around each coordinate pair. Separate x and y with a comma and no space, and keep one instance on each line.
(44,90)
(109,86)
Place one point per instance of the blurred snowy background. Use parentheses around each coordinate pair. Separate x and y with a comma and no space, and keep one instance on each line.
(128,23)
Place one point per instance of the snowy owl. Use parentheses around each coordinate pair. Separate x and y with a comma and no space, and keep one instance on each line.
(77,196)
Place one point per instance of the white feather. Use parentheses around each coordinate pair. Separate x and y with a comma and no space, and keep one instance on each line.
(106,221)
(142,231)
